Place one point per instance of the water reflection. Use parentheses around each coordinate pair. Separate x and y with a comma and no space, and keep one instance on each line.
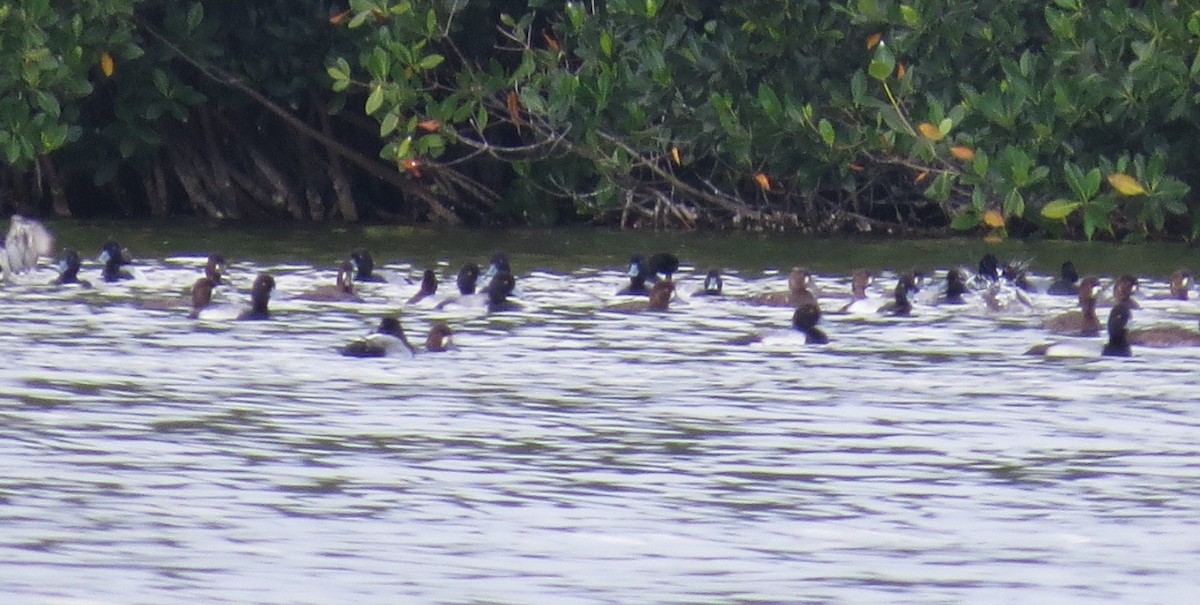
(570,454)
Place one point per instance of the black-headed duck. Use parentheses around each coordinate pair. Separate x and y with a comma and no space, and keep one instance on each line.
(648,269)
(1116,346)
(468,279)
(27,239)
(387,339)
(364,266)
(956,287)
(989,271)
(429,286)
(713,284)
(659,299)
(1084,321)
(497,265)
(798,282)
(114,257)
(805,319)
(900,305)
(342,291)
(1118,333)
(260,298)
(498,291)
(68,270)
(1067,283)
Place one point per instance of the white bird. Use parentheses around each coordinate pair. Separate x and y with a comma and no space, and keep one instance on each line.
(27,239)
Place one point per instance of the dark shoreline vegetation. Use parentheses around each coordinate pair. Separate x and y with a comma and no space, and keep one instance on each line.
(1067,119)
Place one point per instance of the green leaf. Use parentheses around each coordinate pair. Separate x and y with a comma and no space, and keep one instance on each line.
(768,101)
(375,100)
(430,62)
(826,130)
(389,123)
(1014,204)
(965,221)
(1060,209)
(195,15)
(910,15)
(939,189)
(606,44)
(882,64)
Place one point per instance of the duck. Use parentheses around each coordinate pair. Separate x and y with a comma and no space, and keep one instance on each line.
(1178,284)
(439,338)
(214,269)
(860,302)
(429,286)
(1084,321)
(1116,346)
(260,298)
(68,270)
(713,284)
(900,306)
(1124,287)
(201,296)
(386,340)
(467,280)
(498,291)
(1164,337)
(805,320)
(497,265)
(1014,273)
(114,257)
(342,291)
(798,282)
(1067,282)
(642,270)
(26,241)
(988,273)
(659,299)
(956,287)
(364,266)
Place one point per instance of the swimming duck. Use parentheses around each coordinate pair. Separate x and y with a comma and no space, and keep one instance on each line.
(1164,337)
(201,296)
(1123,289)
(364,266)
(27,239)
(387,339)
(114,257)
(260,297)
(1084,321)
(798,282)
(989,272)
(642,270)
(860,302)
(342,291)
(1014,273)
(498,264)
(214,269)
(439,338)
(900,306)
(713,284)
(468,278)
(429,286)
(1179,283)
(1066,284)
(498,291)
(1118,337)
(1116,346)
(956,287)
(659,300)
(805,319)
(68,270)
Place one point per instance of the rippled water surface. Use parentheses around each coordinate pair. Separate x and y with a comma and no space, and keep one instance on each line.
(569,453)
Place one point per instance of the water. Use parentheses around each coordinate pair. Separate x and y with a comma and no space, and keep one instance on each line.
(570,454)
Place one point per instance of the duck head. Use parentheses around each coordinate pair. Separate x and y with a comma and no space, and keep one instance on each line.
(468,278)
(713,283)
(660,295)
(345,277)
(439,338)
(1180,282)
(1118,334)
(362,264)
(214,268)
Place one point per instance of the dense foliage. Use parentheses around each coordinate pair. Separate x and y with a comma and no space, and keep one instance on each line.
(1068,117)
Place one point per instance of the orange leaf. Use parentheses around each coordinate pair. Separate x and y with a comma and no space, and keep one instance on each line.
(901,70)
(930,131)
(107,67)
(675,156)
(963,153)
(429,125)
(921,176)
(339,18)
(514,109)
(993,218)
(412,167)
(873,40)
(550,41)
(856,167)
(764,182)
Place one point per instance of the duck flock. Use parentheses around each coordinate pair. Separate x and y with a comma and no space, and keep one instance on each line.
(992,288)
